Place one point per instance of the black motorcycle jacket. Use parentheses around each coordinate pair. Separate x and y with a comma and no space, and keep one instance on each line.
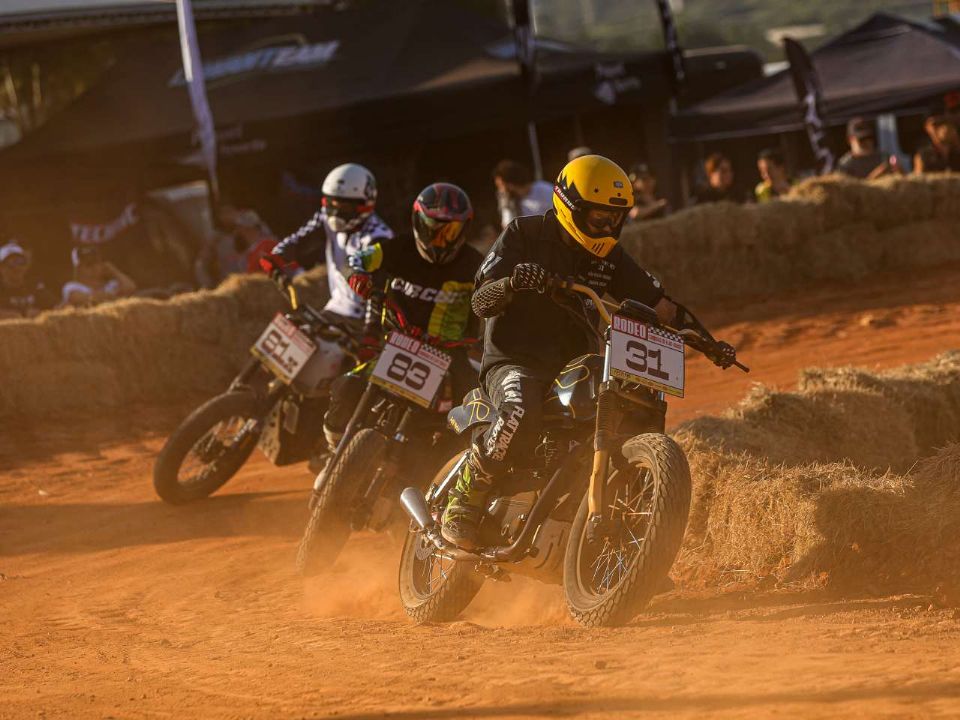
(544,333)
(434,298)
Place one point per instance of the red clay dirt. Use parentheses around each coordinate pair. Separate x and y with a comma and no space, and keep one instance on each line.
(116,605)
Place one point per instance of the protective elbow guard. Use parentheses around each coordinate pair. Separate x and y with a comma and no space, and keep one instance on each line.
(491,299)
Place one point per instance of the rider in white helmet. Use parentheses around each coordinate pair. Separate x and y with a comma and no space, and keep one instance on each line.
(345,224)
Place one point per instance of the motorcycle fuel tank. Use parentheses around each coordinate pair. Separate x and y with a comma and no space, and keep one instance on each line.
(574,391)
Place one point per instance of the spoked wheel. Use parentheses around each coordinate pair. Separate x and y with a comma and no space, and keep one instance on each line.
(329,525)
(610,576)
(433,586)
(208,448)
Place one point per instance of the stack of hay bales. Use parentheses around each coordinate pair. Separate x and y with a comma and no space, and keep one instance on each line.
(839,482)
(827,229)
(134,351)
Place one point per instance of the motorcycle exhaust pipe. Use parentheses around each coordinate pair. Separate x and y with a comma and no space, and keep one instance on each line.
(416,507)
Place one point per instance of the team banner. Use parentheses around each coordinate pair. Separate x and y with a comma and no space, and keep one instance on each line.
(672,43)
(807,84)
(193,76)
(525,42)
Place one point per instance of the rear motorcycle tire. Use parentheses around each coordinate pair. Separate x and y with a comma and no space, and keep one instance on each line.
(655,494)
(198,425)
(422,600)
(329,525)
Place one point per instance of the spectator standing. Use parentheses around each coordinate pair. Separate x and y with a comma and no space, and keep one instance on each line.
(646,206)
(942,153)
(719,186)
(774,180)
(237,249)
(518,194)
(20,296)
(94,279)
(863,161)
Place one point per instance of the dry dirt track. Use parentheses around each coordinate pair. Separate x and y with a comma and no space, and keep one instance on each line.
(114,605)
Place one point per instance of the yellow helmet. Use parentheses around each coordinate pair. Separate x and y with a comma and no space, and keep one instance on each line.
(593,182)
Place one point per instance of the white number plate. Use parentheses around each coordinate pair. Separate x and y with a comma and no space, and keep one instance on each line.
(410,369)
(283,348)
(646,355)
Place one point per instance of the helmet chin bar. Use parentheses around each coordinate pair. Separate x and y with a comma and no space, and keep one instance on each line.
(341,224)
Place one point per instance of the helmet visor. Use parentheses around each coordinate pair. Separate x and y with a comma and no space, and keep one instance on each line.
(346,209)
(438,239)
(602,221)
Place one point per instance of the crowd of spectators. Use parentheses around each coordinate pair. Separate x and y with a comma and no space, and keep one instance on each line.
(240,241)
(242,238)
(519,194)
(24,295)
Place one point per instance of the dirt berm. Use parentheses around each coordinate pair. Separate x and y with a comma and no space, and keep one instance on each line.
(852,480)
(144,351)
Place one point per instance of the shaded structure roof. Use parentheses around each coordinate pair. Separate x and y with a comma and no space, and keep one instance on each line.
(885,64)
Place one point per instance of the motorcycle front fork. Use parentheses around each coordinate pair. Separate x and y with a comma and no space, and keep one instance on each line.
(366,402)
(608,419)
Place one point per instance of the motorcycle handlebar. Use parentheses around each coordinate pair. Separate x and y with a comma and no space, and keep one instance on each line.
(699,341)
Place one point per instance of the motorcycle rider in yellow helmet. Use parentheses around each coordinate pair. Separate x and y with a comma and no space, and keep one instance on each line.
(530,336)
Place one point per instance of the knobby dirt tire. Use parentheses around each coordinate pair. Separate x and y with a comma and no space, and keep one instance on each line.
(329,525)
(166,470)
(664,535)
(453,596)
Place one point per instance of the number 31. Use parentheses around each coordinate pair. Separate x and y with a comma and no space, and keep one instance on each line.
(637,361)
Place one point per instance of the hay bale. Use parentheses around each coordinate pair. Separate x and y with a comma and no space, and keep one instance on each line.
(798,487)
(878,421)
(832,228)
(136,350)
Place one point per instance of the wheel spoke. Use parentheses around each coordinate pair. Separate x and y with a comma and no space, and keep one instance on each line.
(630,510)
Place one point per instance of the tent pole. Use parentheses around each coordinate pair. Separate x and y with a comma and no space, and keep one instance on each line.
(535,150)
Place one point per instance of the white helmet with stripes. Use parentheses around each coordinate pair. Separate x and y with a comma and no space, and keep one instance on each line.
(349,196)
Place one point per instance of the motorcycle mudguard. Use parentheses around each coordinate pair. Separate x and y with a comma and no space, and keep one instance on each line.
(476,409)
(292,429)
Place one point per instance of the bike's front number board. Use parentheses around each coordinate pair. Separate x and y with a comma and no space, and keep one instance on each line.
(283,348)
(410,369)
(646,355)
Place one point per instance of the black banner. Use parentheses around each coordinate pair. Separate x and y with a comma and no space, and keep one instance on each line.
(807,84)
(672,43)
(522,22)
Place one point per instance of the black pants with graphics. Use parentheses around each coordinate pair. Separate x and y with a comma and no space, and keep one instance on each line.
(517,393)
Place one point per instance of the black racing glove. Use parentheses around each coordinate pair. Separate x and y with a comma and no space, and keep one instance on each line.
(722,354)
(529,276)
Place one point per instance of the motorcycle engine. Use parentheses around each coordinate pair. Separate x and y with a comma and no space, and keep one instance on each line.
(505,517)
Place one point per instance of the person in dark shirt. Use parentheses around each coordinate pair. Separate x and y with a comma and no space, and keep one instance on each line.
(774,179)
(428,278)
(529,336)
(647,206)
(863,161)
(719,186)
(942,153)
(20,296)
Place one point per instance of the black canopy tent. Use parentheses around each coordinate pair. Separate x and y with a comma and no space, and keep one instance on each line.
(419,89)
(426,68)
(885,65)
